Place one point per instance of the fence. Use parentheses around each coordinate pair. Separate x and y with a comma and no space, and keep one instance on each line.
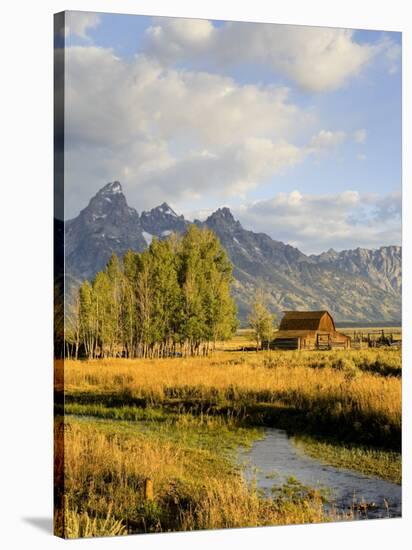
(375,338)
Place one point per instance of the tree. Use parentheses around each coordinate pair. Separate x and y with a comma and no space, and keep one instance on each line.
(115,303)
(72,334)
(166,295)
(206,277)
(131,263)
(193,326)
(220,308)
(260,320)
(176,295)
(105,313)
(88,318)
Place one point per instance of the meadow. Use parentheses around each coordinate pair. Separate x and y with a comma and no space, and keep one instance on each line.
(181,421)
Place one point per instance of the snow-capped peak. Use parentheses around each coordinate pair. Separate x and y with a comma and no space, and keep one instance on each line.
(112,188)
(166,209)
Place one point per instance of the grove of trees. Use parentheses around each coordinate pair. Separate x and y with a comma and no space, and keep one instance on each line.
(173,298)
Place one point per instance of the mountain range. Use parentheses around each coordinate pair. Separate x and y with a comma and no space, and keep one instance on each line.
(358,285)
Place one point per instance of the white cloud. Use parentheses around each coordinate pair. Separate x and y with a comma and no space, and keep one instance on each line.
(79,22)
(327,138)
(181,34)
(140,98)
(360,135)
(393,55)
(317,222)
(234,170)
(316,58)
(169,134)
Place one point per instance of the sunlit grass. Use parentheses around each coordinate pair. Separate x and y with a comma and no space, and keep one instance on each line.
(196,485)
(332,390)
(180,422)
(375,462)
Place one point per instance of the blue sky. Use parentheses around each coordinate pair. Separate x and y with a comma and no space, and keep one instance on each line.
(300,123)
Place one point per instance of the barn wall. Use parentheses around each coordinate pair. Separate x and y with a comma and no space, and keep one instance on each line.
(285,343)
(340,340)
(308,343)
(326,323)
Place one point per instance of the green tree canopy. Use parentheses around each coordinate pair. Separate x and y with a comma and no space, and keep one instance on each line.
(175,297)
(260,319)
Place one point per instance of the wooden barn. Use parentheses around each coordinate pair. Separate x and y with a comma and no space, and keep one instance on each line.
(309,330)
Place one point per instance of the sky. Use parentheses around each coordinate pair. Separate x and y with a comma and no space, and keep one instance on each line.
(296,129)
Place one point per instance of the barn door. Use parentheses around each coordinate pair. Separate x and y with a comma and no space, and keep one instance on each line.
(323,341)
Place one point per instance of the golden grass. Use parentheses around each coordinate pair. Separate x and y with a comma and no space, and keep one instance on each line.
(375,462)
(330,387)
(350,394)
(193,488)
(75,525)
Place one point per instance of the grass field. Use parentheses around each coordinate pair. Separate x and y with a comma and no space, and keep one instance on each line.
(190,462)
(180,422)
(370,461)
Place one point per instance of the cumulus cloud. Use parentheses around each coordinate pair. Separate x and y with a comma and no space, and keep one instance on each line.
(393,55)
(315,223)
(234,170)
(169,133)
(146,98)
(318,59)
(327,138)
(360,135)
(183,134)
(195,34)
(79,22)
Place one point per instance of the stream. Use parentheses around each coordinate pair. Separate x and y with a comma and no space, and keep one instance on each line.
(273,459)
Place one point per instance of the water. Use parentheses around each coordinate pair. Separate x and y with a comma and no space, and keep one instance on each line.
(274,459)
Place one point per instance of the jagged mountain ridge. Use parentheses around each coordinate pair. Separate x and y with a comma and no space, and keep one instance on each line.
(383,265)
(355,285)
(107,224)
(293,280)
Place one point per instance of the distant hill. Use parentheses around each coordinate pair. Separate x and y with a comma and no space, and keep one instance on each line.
(354,285)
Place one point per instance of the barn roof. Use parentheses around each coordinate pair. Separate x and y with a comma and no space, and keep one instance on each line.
(294,334)
(304,320)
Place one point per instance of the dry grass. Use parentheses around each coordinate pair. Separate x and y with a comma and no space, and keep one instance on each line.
(351,395)
(194,488)
(375,462)
(336,388)
(74,525)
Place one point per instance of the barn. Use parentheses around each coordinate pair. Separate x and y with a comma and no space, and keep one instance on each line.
(309,330)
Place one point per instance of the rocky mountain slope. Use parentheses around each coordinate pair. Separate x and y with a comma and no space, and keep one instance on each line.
(355,285)
(383,265)
(107,224)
